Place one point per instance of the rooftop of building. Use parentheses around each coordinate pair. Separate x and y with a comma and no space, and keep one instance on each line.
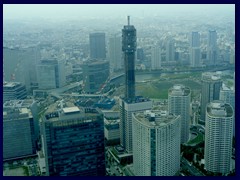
(218,108)
(137,99)
(153,118)
(179,90)
(61,109)
(18,103)
(211,76)
(16,113)
(11,84)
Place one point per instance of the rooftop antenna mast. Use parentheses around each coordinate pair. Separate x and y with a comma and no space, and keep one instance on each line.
(128,20)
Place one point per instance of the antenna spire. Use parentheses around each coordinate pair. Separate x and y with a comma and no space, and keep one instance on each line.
(128,20)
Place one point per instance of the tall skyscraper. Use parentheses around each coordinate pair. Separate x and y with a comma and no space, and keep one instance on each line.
(179,98)
(95,74)
(73,142)
(97,46)
(14,90)
(195,53)
(129,103)
(129,48)
(156,144)
(211,85)
(156,57)
(212,48)
(115,53)
(218,137)
(170,50)
(51,74)
(18,133)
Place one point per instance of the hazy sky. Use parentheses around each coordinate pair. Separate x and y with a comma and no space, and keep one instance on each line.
(14,11)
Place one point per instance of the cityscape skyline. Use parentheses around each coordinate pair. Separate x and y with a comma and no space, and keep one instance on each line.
(99,96)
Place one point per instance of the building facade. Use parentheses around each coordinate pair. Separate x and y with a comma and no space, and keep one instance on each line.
(211,85)
(51,74)
(156,58)
(18,133)
(126,110)
(95,74)
(218,137)
(73,142)
(212,48)
(115,53)
(97,46)
(179,98)
(156,144)
(13,91)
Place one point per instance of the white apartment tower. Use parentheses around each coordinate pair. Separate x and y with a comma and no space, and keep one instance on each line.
(179,98)
(218,137)
(156,144)
(211,85)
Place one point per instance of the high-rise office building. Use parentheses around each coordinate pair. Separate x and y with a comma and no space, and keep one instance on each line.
(129,103)
(156,57)
(179,98)
(97,46)
(14,90)
(18,133)
(170,50)
(51,74)
(19,65)
(95,74)
(211,85)
(218,137)
(73,142)
(156,144)
(29,104)
(212,48)
(126,110)
(115,53)
(195,52)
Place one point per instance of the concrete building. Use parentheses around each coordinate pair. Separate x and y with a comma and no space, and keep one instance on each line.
(211,85)
(218,137)
(51,74)
(73,142)
(179,98)
(115,53)
(170,50)
(227,95)
(212,48)
(195,52)
(156,144)
(19,65)
(156,58)
(111,131)
(18,133)
(126,110)
(95,75)
(97,46)
(13,90)
(31,105)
